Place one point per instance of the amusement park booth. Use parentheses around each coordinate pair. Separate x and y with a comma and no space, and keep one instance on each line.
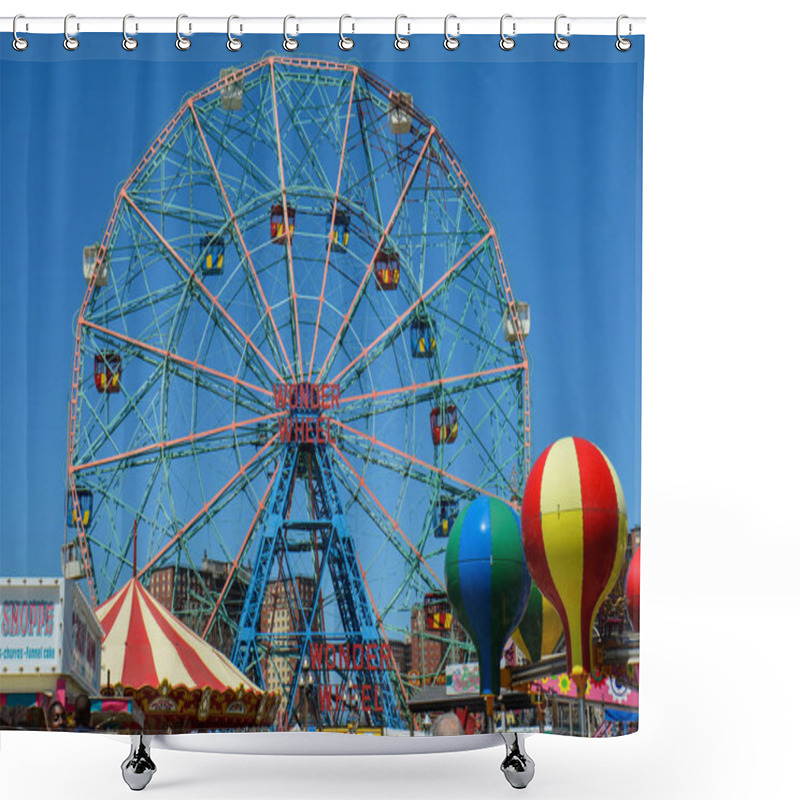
(50,645)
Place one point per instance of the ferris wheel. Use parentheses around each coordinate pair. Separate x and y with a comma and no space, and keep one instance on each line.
(297,357)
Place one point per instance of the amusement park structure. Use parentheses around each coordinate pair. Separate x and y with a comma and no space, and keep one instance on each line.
(298,356)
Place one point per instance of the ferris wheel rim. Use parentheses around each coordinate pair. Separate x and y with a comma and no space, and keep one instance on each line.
(489,240)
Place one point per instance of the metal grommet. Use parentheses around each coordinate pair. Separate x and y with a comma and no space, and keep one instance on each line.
(233,44)
(507,42)
(19,44)
(400,42)
(128,42)
(345,43)
(70,42)
(289,44)
(623,44)
(451,42)
(181,42)
(560,43)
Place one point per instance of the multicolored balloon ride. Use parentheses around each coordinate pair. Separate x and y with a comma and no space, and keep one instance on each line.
(539,629)
(574,530)
(632,590)
(488,584)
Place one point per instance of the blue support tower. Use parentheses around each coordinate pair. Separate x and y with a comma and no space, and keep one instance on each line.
(350,664)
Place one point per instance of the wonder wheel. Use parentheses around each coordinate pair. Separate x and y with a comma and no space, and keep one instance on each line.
(298,355)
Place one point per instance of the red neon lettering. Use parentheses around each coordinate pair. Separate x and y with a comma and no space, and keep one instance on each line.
(330,656)
(302,395)
(325,697)
(366,703)
(317,654)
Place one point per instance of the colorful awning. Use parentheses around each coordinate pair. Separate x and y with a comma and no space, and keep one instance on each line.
(144,644)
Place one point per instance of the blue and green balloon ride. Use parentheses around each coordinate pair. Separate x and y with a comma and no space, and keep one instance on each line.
(487,579)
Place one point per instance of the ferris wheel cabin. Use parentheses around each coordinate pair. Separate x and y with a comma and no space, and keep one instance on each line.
(83,512)
(448,511)
(341,230)
(444,428)
(387,270)
(423,338)
(281,223)
(400,116)
(438,614)
(232,90)
(212,249)
(89,259)
(107,372)
(524,315)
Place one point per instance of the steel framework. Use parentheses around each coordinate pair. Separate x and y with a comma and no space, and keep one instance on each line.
(243,257)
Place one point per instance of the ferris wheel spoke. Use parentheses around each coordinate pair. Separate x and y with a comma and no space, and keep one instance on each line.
(173,446)
(229,487)
(134,405)
(384,635)
(295,322)
(242,246)
(392,523)
(366,188)
(411,572)
(414,460)
(309,145)
(333,222)
(234,567)
(389,462)
(226,136)
(407,315)
(213,300)
(377,402)
(368,273)
(192,366)
(486,457)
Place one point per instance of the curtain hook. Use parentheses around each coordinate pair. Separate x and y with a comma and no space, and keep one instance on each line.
(560,43)
(289,44)
(623,44)
(19,44)
(400,42)
(233,44)
(128,42)
(345,43)
(70,42)
(507,42)
(181,42)
(451,42)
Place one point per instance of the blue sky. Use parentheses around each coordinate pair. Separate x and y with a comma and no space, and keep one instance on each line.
(550,141)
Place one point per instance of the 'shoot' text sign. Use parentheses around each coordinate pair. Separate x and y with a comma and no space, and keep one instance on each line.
(30,627)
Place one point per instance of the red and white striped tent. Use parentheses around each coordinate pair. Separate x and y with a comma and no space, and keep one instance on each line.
(144,644)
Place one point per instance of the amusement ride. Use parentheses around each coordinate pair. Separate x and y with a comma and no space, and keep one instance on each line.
(297,360)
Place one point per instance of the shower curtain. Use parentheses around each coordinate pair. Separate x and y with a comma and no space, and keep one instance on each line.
(320,381)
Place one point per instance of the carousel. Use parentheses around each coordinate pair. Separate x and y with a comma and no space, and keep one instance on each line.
(152,662)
